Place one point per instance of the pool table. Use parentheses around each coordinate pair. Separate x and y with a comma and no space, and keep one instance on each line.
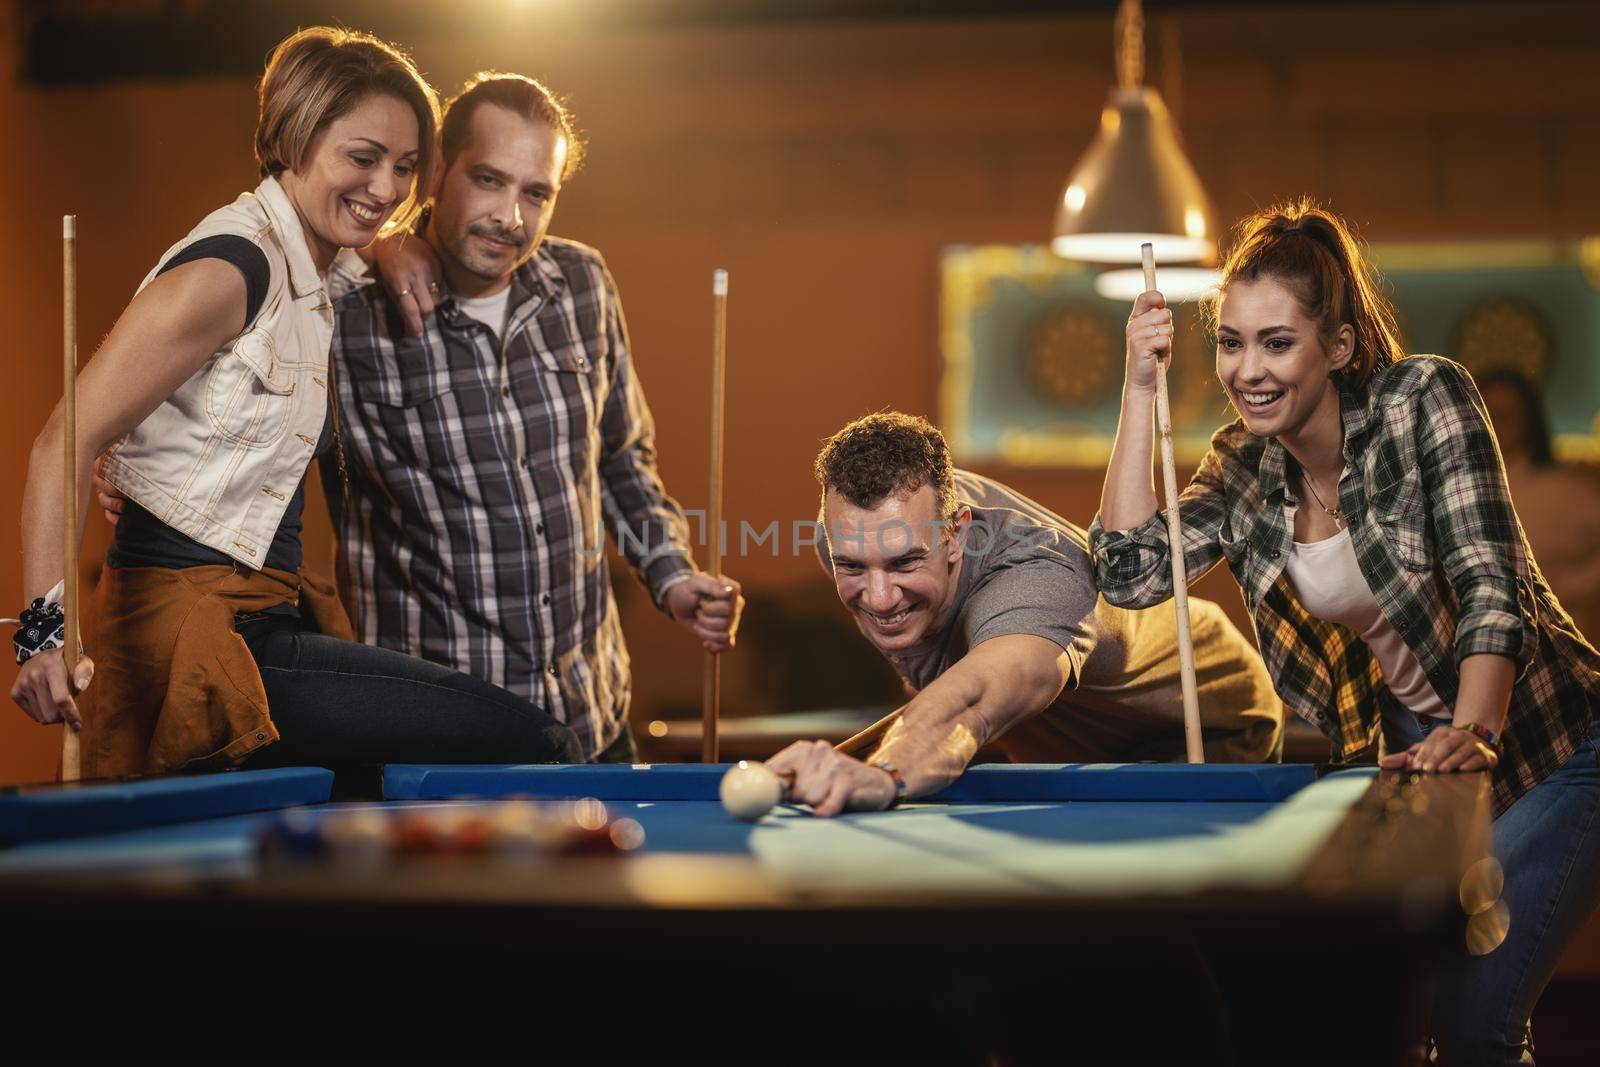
(1133,913)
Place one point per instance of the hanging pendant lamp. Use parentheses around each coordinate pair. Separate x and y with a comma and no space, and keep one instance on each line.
(1134,184)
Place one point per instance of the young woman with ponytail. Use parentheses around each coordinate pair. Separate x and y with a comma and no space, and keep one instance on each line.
(1361,503)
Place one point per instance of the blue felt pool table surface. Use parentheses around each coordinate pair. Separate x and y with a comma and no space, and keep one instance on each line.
(1008,830)
(1075,895)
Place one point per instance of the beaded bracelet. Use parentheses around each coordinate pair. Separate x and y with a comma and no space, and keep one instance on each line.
(1483,733)
(899,781)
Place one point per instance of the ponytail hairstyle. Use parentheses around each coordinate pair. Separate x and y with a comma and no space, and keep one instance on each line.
(1318,256)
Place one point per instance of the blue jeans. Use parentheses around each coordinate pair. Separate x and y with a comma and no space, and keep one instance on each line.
(338,704)
(1548,842)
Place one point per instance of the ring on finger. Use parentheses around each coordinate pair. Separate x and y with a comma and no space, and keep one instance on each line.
(406,291)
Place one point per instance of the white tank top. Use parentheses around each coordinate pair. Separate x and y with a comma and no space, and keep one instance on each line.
(1328,582)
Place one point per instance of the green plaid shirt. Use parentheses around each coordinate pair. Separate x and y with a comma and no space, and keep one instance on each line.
(1424,493)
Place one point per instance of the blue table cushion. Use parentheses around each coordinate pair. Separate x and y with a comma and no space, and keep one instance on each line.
(1001,782)
(72,809)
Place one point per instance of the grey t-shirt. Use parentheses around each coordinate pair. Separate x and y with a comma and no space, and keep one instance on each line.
(1026,570)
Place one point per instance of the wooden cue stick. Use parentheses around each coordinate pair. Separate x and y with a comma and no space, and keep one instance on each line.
(70,769)
(868,738)
(1180,574)
(712,706)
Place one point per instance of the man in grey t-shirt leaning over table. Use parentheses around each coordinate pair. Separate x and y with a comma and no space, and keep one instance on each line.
(985,603)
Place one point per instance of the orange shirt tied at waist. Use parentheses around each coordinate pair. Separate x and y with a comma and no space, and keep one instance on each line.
(175,687)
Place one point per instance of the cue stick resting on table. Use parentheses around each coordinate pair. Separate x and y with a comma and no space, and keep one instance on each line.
(859,743)
(1180,575)
(712,706)
(856,745)
(69,467)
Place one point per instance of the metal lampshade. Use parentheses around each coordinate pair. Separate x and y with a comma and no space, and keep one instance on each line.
(1133,185)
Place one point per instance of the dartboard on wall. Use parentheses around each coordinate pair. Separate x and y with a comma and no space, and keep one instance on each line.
(1503,334)
(1074,355)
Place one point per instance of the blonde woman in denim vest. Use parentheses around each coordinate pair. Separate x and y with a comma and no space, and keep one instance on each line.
(1361,503)
(209,398)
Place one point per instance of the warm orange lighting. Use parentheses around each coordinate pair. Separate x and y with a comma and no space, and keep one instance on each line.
(1177,283)
(627,834)
(1487,929)
(589,813)
(1482,885)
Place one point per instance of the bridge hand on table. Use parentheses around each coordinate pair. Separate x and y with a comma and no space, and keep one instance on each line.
(1443,751)
(831,782)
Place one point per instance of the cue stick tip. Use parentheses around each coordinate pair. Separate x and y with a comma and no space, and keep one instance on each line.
(69,226)
(719,282)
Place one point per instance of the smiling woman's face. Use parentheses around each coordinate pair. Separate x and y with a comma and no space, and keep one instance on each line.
(1272,360)
(356,172)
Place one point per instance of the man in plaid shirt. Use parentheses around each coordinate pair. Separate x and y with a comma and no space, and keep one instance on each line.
(491,444)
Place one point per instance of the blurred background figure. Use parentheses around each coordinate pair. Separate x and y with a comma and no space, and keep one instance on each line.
(1558,503)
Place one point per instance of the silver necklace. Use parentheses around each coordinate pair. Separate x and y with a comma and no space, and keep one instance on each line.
(1333,513)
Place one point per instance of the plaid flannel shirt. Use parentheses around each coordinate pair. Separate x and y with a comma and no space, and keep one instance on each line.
(484,477)
(1425,497)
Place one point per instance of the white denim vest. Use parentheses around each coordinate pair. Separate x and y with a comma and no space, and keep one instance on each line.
(221,456)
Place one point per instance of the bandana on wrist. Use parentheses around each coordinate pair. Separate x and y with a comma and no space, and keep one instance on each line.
(43,626)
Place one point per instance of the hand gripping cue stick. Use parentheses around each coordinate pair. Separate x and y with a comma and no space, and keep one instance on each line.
(69,468)
(1180,576)
(712,705)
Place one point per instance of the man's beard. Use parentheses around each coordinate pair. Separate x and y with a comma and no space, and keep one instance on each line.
(490,269)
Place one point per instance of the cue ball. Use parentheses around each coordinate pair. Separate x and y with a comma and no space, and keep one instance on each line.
(750,790)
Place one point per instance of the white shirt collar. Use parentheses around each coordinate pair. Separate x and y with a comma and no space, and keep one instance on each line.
(303,276)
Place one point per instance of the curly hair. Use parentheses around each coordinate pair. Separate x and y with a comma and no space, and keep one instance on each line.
(1317,254)
(887,453)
